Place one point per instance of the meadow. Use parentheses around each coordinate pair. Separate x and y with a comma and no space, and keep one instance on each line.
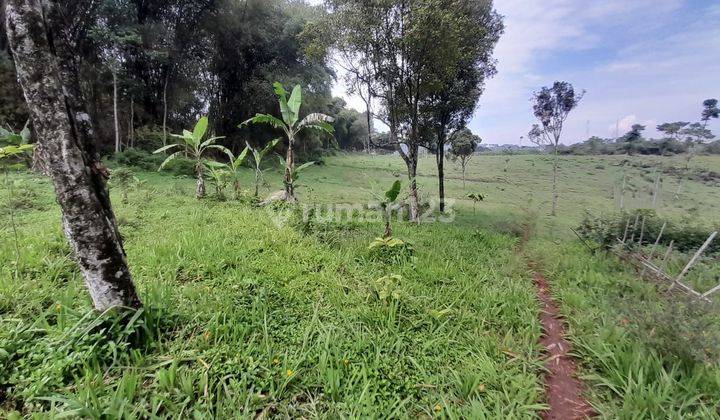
(247,318)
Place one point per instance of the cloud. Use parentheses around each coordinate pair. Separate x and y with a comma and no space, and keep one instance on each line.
(625,124)
(654,60)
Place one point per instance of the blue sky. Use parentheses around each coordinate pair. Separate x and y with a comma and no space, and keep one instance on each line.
(640,61)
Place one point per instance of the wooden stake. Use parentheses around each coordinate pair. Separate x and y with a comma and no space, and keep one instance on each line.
(695,257)
(667,255)
(637,219)
(712,291)
(655,245)
(642,231)
(627,226)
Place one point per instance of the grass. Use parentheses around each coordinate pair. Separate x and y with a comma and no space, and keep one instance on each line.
(245,318)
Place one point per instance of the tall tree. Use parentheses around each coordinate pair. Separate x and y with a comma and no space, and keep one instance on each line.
(397,50)
(474,29)
(552,105)
(65,133)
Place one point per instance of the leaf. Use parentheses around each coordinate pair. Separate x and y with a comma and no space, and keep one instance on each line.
(265,119)
(222,149)
(210,141)
(316,119)
(165,148)
(284,108)
(329,129)
(241,158)
(169,159)
(296,172)
(200,129)
(294,104)
(26,134)
(213,164)
(393,192)
(304,166)
(279,89)
(269,147)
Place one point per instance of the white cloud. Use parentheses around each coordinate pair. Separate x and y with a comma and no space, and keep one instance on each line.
(655,60)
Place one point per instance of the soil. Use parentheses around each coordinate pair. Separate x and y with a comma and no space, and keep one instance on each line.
(564,390)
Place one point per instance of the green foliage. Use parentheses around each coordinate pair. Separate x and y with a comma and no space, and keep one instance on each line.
(246,319)
(388,288)
(123,178)
(15,145)
(290,110)
(146,161)
(391,250)
(607,228)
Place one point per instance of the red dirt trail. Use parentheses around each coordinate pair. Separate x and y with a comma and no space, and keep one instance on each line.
(564,390)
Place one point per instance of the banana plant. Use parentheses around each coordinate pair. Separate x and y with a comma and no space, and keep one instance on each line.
(386,202)
(192,145)
(223,174)
(291,125)
(15,144)
(258,156)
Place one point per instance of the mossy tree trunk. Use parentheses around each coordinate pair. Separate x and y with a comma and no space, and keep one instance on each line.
(64,132)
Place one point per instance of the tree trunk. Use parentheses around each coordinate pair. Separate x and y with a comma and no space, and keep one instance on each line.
(289,168)
(77,175)
(412,176)
(554,182)
(131,128)
(440,158)
(200,189)
(167,78)
(115,111)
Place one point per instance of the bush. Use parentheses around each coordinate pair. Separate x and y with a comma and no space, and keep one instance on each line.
(147,161)
(679,329)
(149,138)
(391,250)
(605,229)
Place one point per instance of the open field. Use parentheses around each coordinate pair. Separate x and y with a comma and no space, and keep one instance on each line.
(245,318)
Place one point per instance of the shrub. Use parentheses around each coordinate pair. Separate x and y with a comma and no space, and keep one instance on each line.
(391,250)
(149,138)
(605,229)
(146,161)
(680,329)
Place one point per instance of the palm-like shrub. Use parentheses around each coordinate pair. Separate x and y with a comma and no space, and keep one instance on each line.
(291,125)
(192,145)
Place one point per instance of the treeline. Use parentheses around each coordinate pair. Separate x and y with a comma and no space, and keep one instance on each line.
(658,147)
(148,67)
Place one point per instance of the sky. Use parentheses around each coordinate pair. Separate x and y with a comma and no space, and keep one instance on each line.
(640,62)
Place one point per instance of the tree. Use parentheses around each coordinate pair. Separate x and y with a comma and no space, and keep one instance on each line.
(673,130)
(290,110)
(396,49)
(77,175)
(710,111)
(632,138)
(695,135)
(463,144)
(475,29)
(552,105)
(192,145)
(115,36)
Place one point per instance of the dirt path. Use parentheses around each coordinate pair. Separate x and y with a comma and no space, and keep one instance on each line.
(564,390)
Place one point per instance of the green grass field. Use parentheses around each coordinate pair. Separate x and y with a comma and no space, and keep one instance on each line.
(244,318)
